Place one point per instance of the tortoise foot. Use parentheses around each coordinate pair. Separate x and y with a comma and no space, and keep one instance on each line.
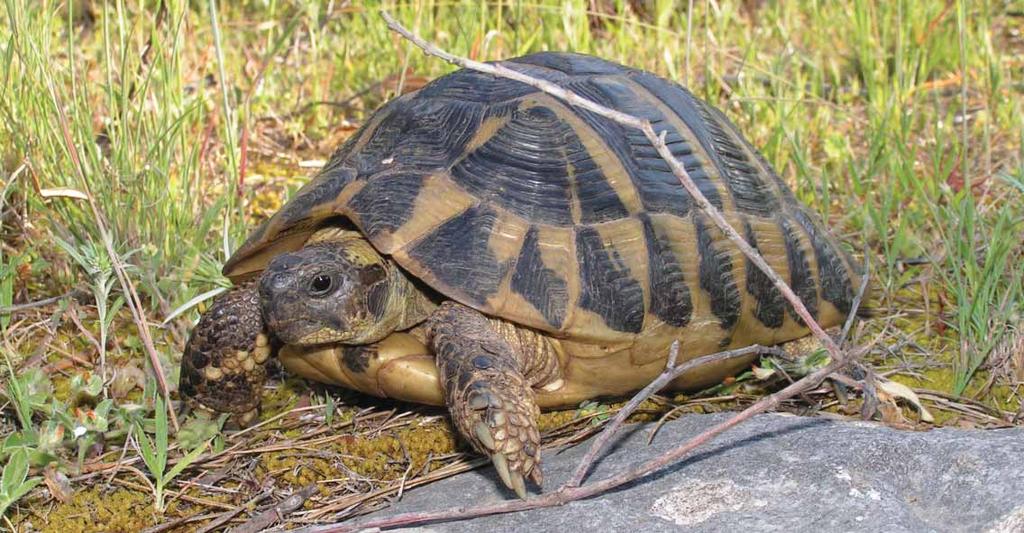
(503,426)
(224,364)
(491,402)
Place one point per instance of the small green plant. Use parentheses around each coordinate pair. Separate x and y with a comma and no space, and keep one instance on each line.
(796,368)
(984,281)
(93,258)
(15,482)
(29,392)
(197,430)
(154,454)
(598,412)
(329,408)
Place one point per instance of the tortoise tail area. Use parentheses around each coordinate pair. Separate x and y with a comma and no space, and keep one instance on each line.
(868,306)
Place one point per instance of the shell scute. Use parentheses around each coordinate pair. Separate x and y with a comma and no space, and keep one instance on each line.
(608,287)
(544,288)
(571,64)
(833,275)
(523,167)
(658,188)
(418,133)
(387,201)
(458,255)
(670,295)
(716,273)
(750,188)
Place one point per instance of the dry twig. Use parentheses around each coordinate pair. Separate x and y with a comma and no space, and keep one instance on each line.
(671,372)
(284,508)
(568,493)
(226,516)
(77,294)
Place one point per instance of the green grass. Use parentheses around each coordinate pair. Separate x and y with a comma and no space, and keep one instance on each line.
(900,122)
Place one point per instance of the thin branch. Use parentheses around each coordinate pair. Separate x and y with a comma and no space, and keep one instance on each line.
(276,513)
(569,493)
(227,516)
(656,140)
(671,372)
(77,294)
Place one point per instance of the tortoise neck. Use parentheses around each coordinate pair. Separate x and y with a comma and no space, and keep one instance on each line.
(416,303)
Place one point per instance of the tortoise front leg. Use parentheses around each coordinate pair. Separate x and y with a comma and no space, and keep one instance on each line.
(488,393)
(223,367)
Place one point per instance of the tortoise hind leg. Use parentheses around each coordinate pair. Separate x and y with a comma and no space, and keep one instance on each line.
(488,391)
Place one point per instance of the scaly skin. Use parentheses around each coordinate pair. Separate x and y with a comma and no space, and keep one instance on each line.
(224,364)
(490,398)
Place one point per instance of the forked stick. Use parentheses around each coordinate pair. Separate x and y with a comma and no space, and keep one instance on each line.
(671,372)
(572,490)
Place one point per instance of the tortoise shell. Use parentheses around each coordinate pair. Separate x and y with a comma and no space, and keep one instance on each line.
(512,202)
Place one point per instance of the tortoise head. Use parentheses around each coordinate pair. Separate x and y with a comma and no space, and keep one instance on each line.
(335,289)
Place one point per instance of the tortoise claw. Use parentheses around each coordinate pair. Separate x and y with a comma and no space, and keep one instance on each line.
(511,478)
(491,402)
(501,465)
(506,431)
(518,485)
(483,433)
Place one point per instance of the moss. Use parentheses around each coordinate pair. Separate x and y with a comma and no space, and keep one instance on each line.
(61,388)
(95,509)
(943,378)
(272,180)
(555,419)
(647,411)
(282,398)
(384,457)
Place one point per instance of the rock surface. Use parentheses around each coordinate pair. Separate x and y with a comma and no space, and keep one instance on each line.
(773,473)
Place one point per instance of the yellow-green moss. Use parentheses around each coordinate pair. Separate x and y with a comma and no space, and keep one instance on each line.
(61,388)
(115,510)
(272,180)
(283,397)
(390,455)
(647,411)
(384,457)
(942,379)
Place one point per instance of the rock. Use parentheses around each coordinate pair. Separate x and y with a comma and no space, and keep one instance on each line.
(774,473)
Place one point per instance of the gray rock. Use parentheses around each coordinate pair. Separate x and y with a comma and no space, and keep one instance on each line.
(774,473)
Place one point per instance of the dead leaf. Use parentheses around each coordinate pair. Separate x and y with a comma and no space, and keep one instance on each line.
(891,390)
(58,484)
(127,378)
(63,192)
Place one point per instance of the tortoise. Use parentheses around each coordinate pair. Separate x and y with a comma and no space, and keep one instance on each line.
(481,245)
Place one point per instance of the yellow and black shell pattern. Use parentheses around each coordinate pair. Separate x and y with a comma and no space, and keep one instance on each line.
(514,203)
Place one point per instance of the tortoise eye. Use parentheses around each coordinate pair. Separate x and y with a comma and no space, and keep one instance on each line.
(320,285)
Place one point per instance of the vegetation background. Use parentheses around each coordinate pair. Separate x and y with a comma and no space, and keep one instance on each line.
(152,135)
